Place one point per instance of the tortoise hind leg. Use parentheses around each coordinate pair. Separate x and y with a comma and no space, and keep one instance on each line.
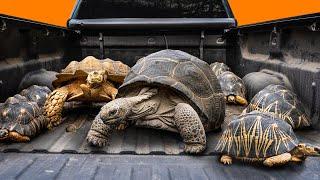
(190,127)
(54,105)
(225,159)
(277,160)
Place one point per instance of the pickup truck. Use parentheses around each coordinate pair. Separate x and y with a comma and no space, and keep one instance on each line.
(128,30)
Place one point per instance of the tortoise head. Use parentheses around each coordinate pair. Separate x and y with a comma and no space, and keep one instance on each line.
(96,77)
(4,133)
(308,149)
(116,111)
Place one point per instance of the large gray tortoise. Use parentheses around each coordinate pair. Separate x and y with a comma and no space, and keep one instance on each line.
(169,90)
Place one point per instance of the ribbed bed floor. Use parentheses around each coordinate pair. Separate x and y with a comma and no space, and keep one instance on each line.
(131,141)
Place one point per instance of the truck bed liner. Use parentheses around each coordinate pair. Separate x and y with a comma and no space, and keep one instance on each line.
(137,167)
(130,141)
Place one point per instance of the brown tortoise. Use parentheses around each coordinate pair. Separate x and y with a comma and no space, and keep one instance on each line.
(169,90)
(88,80)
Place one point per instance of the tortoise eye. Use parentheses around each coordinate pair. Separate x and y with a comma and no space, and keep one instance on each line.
(112,113)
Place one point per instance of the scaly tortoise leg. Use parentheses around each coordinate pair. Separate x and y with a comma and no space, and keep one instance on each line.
(99,133)
(225,159)
(190,127)
(54,105)
(277,160)
(110,90)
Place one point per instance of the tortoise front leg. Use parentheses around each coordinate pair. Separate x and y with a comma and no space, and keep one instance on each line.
(109,91)
(99,133)
(190,127)
(54,105)
(277,160)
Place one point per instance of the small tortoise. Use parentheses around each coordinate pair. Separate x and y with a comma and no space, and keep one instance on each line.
(233,88)
(256,81)
(40,77)
(259,137)
(36,94)
(218,68)
(282,103)
(90,80)
(20,119)
(169,90)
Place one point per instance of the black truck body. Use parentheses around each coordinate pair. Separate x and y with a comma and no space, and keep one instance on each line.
(127,31)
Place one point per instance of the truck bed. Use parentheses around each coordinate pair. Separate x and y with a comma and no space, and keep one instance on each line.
(136,153)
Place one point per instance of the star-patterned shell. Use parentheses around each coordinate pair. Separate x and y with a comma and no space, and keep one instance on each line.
(282,103)
(257,136)
(231,84)
(21,115)
(36,94)
(219,68)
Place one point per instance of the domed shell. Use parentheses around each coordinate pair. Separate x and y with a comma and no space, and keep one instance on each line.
(218,68)
(183,73)
(36,94)
(231,84)
(115,70)
(17,114)
(256,81)
(281,103)
(256,135)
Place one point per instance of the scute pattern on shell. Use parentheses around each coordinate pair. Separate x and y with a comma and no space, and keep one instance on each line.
(257,135)
(281,103)
(36,94)
(231,84)
(184,73)
(115,70)
(19,114)
(219,68)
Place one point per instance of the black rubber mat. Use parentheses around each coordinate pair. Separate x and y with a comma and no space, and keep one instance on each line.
(138,167)
(130,141)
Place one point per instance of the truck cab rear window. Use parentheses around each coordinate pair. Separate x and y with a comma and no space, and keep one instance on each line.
(151,9)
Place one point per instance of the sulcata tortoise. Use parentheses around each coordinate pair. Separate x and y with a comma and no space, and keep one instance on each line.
(20,119)
(36,94)
(218,68)
(233,88)
(90,80)
(260,137)
(169,90)
(282,103)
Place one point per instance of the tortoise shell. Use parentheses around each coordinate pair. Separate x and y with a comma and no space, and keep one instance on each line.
(115,70)
(256,81)
(185,74)
(40,77)
(218,68)
(231,84)
(256,135)
(282,103)
(19,114)
(36,94)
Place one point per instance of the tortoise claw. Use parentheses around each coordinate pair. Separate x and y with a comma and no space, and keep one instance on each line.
(94,140)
